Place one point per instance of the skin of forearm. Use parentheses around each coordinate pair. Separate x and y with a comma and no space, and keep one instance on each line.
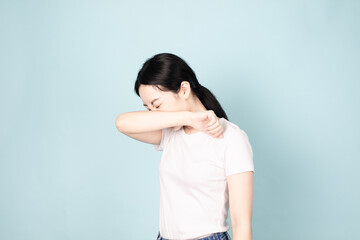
(144,121)
(242,232)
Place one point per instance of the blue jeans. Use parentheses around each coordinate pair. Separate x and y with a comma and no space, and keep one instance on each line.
(214,236)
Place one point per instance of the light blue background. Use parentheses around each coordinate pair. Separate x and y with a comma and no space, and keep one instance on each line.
(286,72)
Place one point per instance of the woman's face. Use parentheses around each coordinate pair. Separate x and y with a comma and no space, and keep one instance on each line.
(156,100)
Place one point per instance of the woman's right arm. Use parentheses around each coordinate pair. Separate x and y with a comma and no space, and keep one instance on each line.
(146,126)
(148,121)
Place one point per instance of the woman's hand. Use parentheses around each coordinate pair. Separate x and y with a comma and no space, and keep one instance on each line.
(207,122)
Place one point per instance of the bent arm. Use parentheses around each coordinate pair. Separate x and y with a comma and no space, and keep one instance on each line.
(145,121)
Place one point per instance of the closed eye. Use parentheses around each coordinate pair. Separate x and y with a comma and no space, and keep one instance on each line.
(155,107)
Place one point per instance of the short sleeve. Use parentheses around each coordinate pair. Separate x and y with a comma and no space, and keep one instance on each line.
(164,139)
(238,153)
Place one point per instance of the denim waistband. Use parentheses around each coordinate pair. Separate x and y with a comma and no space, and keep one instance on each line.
(215,236)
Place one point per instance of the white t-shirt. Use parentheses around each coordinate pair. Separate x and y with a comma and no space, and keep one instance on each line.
(192,173)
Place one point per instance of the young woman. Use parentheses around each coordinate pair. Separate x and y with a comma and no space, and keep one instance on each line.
(206,165)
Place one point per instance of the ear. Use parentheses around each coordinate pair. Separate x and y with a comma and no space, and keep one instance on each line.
(185,89)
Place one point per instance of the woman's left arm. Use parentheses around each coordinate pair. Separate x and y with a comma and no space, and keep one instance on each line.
(240,186)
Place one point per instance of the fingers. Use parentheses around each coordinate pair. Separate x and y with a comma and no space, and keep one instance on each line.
(215,130)
(212,120)
(213,127)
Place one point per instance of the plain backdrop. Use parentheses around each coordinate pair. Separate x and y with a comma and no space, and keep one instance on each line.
(286,72)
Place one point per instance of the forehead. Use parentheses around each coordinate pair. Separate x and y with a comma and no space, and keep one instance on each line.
(150,92)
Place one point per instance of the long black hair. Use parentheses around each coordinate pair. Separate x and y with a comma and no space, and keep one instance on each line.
(166,71)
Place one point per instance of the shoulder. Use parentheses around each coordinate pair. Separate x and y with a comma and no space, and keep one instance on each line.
(166,134)
(232,131)
(168,130)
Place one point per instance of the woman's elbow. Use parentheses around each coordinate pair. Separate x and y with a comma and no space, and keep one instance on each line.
(119,123)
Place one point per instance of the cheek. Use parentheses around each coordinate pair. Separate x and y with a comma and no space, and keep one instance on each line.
(176,106)
(171,104)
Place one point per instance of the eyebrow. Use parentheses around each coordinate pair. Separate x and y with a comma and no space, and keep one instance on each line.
(152,102)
